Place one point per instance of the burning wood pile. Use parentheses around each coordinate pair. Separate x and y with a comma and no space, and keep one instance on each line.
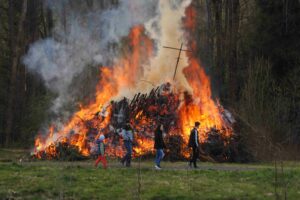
(145,111)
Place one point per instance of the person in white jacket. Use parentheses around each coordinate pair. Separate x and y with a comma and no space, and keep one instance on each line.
(127,135)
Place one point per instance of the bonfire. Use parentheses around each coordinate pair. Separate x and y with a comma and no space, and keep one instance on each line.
(176,101)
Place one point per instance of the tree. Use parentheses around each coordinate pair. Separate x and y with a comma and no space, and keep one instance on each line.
(13,78)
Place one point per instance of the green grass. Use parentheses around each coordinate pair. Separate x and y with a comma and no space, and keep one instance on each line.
(80,180)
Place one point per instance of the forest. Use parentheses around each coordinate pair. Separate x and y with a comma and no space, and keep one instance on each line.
(249,48)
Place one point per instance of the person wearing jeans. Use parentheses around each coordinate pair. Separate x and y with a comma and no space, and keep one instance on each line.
(159,145)
(159,156)
(127,134)
(127,158)
(194,144)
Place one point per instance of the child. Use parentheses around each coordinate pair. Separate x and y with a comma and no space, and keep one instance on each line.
(100,152)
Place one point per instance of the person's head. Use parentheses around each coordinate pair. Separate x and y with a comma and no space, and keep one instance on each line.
(101,137)
(127,126)
(160,126)
(197,124)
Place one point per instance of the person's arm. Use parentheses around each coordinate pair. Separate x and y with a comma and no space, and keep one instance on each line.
(102,150)
(162,140)
(196,138)
(131,136)
(123,134)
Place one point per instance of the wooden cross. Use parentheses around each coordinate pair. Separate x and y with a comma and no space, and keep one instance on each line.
(177,57)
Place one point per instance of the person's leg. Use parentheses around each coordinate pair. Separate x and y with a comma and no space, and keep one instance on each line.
(124,159)
(129,154)
(157,157)
(195,156)
(161,155)
(191,157)
(98,160)
(104,162)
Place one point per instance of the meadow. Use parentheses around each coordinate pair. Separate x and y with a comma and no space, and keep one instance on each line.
(22,179)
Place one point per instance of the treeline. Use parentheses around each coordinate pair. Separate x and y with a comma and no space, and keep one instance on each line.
(23,97)
(250,48)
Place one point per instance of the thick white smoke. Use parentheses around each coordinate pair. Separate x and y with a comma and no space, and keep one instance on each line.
(162,66)
(83,34)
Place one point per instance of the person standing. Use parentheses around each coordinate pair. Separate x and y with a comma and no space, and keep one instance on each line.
(194,144)
(101,152)
(159,145)
(127,134)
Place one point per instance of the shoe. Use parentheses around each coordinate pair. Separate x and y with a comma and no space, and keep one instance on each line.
(157,167)
(128,164)
(196,167)
(123,163)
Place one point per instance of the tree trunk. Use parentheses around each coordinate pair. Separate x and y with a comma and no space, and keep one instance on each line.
(49,21)
(210,39)
(90,3)
(227,33)
(44,33)
(234,22)
(218,68)
(218,27)
(13,77)
(11,24)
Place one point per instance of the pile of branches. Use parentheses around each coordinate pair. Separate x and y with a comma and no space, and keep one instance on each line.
(60,151)
(218,148)
(158,106)
(145,112)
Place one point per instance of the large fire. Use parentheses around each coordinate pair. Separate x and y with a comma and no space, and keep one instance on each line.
(179,109)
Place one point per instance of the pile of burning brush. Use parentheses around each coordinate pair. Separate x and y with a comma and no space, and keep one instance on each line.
(144,112)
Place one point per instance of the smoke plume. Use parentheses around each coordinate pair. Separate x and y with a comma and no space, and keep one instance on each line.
(85,31)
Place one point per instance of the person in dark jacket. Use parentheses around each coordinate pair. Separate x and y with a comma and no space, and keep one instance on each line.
(194,144)
(159,145)
(127,135)
(101,152)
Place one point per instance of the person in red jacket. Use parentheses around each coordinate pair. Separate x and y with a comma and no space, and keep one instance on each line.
(101,152)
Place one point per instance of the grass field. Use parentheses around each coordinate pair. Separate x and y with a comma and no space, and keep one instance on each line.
(80,180)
